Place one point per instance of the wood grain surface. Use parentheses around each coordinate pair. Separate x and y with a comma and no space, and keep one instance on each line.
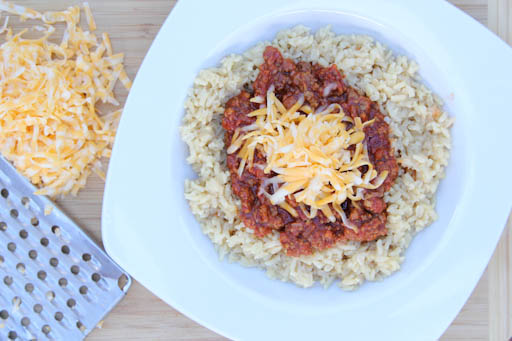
(132,25)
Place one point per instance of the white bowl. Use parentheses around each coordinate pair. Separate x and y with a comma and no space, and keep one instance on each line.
(149,230)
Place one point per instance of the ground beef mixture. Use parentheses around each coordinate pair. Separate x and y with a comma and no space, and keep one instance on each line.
(301,235)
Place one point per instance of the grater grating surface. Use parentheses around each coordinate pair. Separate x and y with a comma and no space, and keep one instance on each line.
(55,282)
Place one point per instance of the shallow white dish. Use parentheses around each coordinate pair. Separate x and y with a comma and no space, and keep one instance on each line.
(148,228)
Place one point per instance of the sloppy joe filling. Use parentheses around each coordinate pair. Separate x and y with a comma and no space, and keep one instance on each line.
(316,217)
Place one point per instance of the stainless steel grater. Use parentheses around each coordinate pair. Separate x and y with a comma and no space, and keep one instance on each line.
(55,282)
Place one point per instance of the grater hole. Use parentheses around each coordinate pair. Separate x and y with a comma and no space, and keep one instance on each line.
(86,257)
(45,241)
(25,321)
(4,315)
(54,261)
(75,269)
(59,316)
(25,201)
(8,280)
(14,213)
(46,329)
(50,295)
(12,335)
(4,192)
(1,259)
(41,275)
(56,230)
(3,226)
(83,290)
(71,303)
(38,308)
(80,326)
(34,221)
(21,268)
(23,234)
(63,282)
(122,281)
(32,254)
(29,287)
(11,247)
(65,249)
(96,277)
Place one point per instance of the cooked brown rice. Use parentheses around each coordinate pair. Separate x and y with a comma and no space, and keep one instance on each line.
(419,132)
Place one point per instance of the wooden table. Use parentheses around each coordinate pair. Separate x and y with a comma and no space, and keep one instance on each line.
(132,25)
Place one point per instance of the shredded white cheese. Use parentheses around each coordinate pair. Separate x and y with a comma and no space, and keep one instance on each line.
(49,124)
(316,155)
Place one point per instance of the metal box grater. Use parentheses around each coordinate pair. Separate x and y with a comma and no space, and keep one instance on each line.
(55,282)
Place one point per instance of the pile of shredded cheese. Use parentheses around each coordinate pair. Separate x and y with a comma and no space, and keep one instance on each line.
(49,124)
(309,152)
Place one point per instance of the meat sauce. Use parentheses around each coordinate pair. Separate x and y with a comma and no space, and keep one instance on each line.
(320,86)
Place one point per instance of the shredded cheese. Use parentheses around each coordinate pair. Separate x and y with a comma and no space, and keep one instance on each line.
(316,155)
(89,17)
(48,209)
(49,124)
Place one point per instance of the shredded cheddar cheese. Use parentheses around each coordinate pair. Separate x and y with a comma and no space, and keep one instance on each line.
(316,155)
(49,123)
(48,209)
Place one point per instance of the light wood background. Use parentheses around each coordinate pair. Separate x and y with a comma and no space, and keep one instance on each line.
(132,25)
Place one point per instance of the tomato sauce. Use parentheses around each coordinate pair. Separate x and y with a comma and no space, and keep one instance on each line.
(320,86)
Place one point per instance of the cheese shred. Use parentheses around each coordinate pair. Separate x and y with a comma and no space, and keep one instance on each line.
(316,155)
(49,123)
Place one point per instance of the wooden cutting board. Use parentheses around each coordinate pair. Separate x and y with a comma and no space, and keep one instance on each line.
(132,25)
